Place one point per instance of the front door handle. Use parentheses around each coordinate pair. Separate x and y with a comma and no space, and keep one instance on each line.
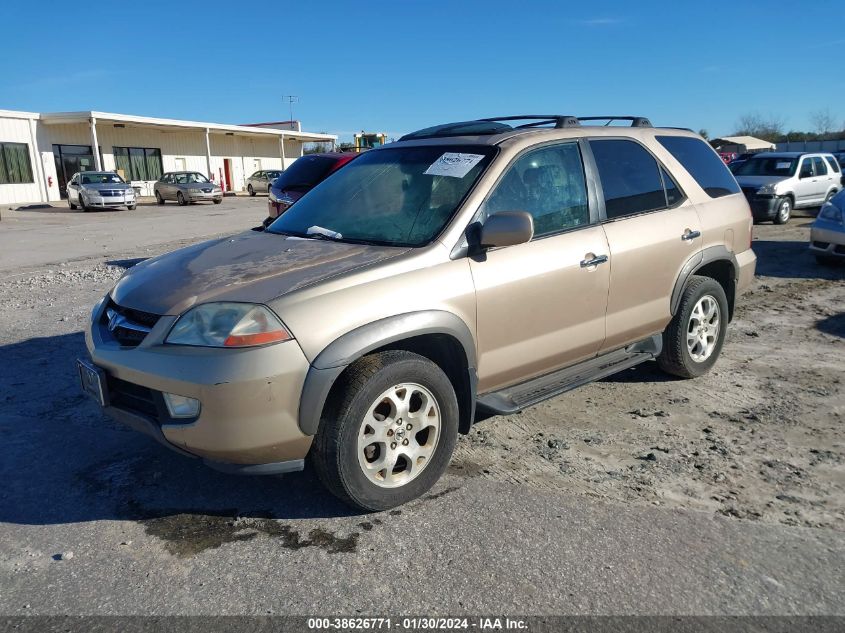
(595,261)
(690,235)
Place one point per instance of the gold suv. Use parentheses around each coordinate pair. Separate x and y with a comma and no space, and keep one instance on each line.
(478,266)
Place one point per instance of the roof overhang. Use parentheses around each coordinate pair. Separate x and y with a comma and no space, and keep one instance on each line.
(56,118)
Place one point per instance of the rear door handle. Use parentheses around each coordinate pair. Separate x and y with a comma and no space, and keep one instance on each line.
(595,261)
(690,235)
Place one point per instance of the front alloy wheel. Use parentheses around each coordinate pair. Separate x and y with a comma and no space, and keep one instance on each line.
(398,435)
(784,211)
(388,430)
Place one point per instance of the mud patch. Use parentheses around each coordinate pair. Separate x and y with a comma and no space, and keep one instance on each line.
(188,534)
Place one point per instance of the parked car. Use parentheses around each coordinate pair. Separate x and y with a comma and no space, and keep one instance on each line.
(827,233)
(100,190)
(735,165)
(260,181)
(303,175)
(465,268)
(840,158)
(775,183)
(186,187)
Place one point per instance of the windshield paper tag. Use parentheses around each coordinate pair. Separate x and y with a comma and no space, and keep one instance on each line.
(453,164)
(785,165)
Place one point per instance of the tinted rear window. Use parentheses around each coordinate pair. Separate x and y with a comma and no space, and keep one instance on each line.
(833,164)
(305,173)
(630,178)
(702,163)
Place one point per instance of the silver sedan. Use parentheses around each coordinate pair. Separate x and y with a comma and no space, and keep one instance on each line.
(260,181)
(185,187)
(99,189)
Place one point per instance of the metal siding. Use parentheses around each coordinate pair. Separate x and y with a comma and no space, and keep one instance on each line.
(15,130)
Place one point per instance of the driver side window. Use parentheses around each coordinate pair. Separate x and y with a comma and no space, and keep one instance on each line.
(549,184)
(806,168)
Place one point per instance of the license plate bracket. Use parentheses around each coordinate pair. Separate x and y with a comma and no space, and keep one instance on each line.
(92,379)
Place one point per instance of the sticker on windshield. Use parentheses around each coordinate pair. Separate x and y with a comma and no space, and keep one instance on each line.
(453,164)
(785,165)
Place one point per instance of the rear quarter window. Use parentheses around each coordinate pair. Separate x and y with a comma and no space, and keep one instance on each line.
(833,164)
(702,163)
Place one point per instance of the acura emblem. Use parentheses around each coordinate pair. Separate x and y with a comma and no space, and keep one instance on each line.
(115,320)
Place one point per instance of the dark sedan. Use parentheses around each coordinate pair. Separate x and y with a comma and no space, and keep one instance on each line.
(302,176)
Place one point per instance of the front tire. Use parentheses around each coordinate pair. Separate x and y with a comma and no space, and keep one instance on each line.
(70,204)
(784,211)
(131,207)
(181,199)
(693,340)
(159,199)
(218,200)
(250,190)
(388,432)
(82,204)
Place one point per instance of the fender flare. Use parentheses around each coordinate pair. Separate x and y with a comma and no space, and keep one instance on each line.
(349,347)
(694,264)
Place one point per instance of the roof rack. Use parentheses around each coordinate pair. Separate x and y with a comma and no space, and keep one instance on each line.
(636,121)
(538,120)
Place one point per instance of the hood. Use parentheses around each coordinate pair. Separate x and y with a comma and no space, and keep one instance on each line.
(252,266)
(759,181)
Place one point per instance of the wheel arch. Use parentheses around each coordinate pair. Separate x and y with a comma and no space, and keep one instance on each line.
(442,337)
(716,262)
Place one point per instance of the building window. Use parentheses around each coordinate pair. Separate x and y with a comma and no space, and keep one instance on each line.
(15,167)
(138,163)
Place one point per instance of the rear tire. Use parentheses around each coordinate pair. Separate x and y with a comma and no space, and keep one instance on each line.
(366,423)
(250,190)
(784,211)
(694,338)
(181,199)
(159,199)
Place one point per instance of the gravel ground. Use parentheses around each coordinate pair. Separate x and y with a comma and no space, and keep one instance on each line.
(636,494)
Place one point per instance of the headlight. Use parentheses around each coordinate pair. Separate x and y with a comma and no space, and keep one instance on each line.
(831,213)
(90,192)
(770,189)
(228,325)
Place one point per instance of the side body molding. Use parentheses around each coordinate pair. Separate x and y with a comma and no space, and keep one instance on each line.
(338,355)
(699,260)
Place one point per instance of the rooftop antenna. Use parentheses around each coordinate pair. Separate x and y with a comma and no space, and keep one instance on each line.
(291,100)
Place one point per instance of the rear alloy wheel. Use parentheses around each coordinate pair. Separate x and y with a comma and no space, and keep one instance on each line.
(159,199)
(784,211)
(389,431)
(694,338)
(181,199)
(250,190)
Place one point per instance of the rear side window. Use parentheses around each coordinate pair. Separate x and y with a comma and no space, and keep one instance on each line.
(821,168)
(702,163)
(630,178)
(833,164)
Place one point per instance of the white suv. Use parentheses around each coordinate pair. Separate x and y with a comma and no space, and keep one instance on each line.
(777,182)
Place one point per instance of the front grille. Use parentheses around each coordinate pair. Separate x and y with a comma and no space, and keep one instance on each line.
(839,249)
(207,190)
(129,327)
(133,398)
(822,245)
(111,192)
(750,192)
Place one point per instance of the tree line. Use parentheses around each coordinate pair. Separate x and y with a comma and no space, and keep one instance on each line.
(772,128)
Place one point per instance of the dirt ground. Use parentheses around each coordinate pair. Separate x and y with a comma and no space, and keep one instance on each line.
(759,438)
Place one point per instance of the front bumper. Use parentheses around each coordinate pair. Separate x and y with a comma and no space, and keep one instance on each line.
(248,421)
(104,202)
(763,207)
(200,196)
(827,238)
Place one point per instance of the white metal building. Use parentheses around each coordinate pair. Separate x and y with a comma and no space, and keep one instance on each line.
(39,152)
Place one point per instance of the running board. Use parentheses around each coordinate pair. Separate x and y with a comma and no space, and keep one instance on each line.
(518,397)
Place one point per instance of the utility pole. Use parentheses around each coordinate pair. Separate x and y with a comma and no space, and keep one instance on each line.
(291,100)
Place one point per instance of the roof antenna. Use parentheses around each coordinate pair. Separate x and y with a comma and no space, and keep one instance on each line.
(291,100)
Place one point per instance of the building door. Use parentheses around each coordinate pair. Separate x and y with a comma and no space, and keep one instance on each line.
(227,171)
(69,160)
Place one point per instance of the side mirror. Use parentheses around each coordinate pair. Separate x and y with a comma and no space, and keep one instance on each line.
(507,229)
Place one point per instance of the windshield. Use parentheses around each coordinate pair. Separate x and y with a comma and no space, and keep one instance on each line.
(101,179)
(272,175)
(184,179)
(397,197)
(774,166)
